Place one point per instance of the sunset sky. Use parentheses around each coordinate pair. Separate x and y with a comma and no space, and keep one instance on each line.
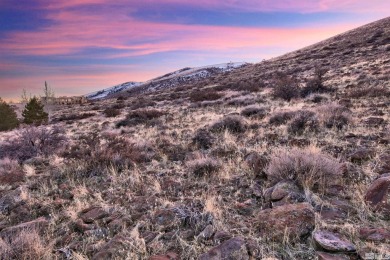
(82,46)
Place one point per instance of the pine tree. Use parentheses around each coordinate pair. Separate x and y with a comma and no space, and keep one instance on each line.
(8,117)
(33,112)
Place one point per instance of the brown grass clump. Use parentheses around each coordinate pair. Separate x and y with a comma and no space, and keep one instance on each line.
(27,244)
(369,92)
(308,168)
(204,166)
(204,95)
(73,117)
(303,121)
(111,112)
(203,139)
(334,115)
(10,172)
(285,88)
(281,118)
(254,112)
(141,116)
(232,123)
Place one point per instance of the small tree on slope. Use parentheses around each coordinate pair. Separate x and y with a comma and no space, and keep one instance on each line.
(8,117)
(33,113)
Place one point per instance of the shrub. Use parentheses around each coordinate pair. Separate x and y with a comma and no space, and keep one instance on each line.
(285,88)
(34,141)
(281,118)
(10,172)
(254,111)
(111,112)
(8,117)
(315,84)
(140,116)
(369,92)
(334,115)
(33,113)
(204,95)
(308,168)
(204,166)
(203,139)
(303,121)
(73,117)
(232,123)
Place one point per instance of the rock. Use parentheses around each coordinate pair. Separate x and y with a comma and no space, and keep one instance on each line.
(91,214)
(377,195)
(221,236)
(361,154)
(207,233)
(256,162)
(245,208)
(111,249)
(165,217)
(257,190)
(285,192)
(12,199)
(232,249)
(167,256)
(295,220)
(148,236)
(374,121)
(39,224)
(328,256)
(374,234)
(332,242)
(80,226)
(384,163)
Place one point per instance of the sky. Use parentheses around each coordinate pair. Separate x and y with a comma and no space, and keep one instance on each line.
(81,46)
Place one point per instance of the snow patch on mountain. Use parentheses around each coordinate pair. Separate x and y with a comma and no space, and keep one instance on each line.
(109,91)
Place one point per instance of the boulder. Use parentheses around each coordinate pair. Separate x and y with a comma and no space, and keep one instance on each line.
(374,234)
(91,214)
(332,242)
(295,220)
(377,195)
(285,192)
(232,249)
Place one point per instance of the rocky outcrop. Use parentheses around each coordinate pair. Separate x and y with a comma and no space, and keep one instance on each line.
(293,220)
(377,195)
(331,242)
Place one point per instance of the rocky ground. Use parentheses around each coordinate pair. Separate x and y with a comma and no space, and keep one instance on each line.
(229,168)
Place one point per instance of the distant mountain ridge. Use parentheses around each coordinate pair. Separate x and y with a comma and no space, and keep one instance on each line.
(173,79)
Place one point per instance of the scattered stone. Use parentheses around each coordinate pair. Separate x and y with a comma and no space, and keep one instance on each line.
(295,220)
(378,193)
(207,233)
(232,249)
(285,192)
(117,245)
(361,154)
(80,226)
(165,217)
(91,214)
(221,236)
(374,234)
(256,162)
(332,242)
(384,163)
(39,224)
(328,256)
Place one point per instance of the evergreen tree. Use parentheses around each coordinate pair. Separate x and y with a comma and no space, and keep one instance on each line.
(33,113)
(8,117)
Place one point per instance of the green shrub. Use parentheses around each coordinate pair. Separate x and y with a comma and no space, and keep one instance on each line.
(33,113)
(8,117)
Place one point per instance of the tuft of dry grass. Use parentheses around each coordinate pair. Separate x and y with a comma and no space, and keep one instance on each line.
(204,167)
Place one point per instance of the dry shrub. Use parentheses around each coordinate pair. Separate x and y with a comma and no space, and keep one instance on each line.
(10,172)
(315,84)
(204,166)
(308,168)
(111,112)
(285,88)
(204,95)
(73,117)
(281,118)
(334,115)
(317,98)
(232,123)
(34,141)
(141,116)
(303,121)
(241,101)
(254,111)
(203,139)
(141,102)
(174,152)
(369,92)
(25,245)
